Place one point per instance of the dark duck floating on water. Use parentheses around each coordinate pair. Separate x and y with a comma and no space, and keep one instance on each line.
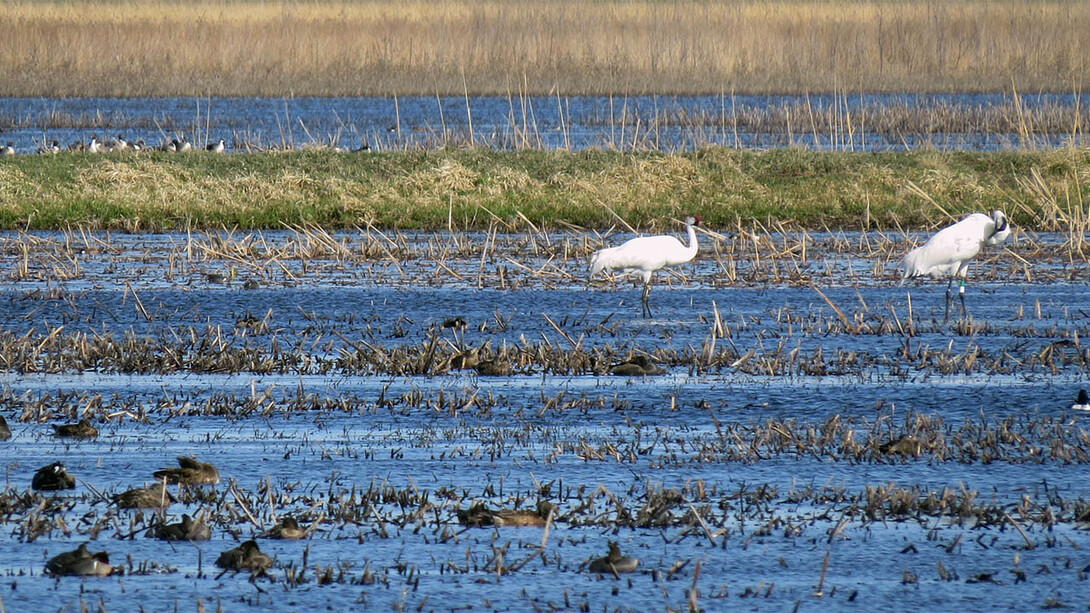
(79,562)
(83,429)
(246,556)
(151,497)
(186,530)
(1082,403)
(614,562)
(52,478)
(189,472)
(903,445)
(478,515)
(288,529)
(639,366)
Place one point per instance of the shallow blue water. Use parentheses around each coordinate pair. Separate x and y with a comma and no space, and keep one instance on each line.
(573,123)
(530,431)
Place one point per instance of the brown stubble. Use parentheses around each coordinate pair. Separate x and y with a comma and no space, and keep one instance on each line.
(380,48)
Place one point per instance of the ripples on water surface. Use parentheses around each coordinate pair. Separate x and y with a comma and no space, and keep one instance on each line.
(979,122)
(302,391)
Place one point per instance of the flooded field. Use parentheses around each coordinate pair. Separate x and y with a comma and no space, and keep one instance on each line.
(817,438)
(864,122)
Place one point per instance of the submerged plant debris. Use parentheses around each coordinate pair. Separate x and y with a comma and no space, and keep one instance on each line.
(432,421)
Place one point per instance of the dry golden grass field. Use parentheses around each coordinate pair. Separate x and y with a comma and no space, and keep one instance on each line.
(566,47)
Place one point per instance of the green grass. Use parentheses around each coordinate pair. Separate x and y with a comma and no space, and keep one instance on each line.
(476,187)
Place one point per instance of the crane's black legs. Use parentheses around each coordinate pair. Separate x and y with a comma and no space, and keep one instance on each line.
(949,300)
(643,300)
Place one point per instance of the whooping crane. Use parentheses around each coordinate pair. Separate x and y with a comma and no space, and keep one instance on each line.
(645,255)
(949,251)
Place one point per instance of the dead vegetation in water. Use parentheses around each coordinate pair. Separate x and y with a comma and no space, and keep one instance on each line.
(510,255)
(244,349)
(1016,439)
(340,509)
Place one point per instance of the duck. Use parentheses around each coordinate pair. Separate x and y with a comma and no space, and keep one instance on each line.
(469,358)
(454,323)
(120,144)
(183,145)
(288,529)
(1082,403)
(82,429)
(8,149)
(614,562)
(94,146)
(79,562)
(189,472)
(52,478)
(171,147)
(217,278)
(494,367)
(186,530)
(218,147)
(247,556)
(151,497)
(5,431)
(478,515)
(251,284)
(639,366)
(905,445)
(52,148)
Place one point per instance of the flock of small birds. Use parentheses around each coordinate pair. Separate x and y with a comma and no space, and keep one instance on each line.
(119,144)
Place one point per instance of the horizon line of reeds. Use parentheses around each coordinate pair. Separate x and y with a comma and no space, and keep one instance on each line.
(369,47)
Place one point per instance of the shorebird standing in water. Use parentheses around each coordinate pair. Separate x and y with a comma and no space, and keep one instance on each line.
(949,252)
(645,255)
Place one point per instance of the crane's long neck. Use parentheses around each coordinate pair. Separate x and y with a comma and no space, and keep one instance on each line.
(691,249)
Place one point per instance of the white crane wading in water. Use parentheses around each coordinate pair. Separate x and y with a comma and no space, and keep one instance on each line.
(950,250)
(645,255)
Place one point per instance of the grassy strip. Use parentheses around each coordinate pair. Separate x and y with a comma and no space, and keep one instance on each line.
(473,188)
(377,47)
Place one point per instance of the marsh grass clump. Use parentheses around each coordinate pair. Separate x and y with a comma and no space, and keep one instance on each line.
(767,196)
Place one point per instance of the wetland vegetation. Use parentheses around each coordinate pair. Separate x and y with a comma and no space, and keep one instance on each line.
(353,48)
(522,190)
(397,385)
(404,393)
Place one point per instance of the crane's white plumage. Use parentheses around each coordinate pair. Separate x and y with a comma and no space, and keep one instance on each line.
(949,251)
(645,255)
